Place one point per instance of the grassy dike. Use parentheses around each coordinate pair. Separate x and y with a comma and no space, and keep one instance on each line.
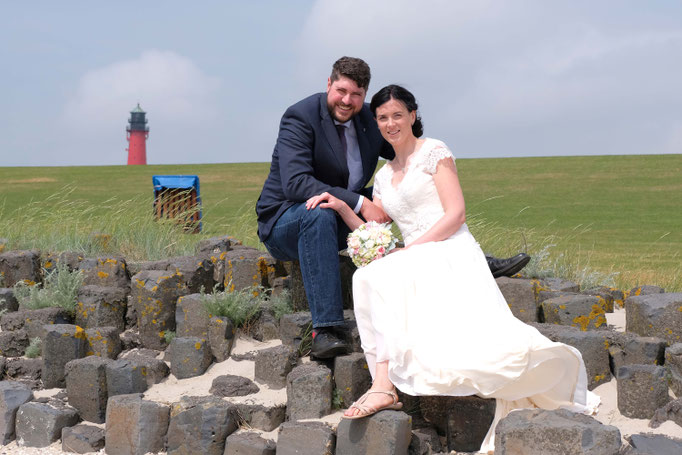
(595,219)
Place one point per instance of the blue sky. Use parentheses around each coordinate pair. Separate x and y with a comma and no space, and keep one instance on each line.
(493,78)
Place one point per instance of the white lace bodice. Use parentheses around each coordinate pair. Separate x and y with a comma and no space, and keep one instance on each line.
(414,204)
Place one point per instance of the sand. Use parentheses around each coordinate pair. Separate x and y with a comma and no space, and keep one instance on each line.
(171,390)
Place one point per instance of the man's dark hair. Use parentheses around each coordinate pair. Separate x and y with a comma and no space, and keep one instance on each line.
(354,69)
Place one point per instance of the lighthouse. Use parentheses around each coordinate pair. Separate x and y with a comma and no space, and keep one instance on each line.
(137,133)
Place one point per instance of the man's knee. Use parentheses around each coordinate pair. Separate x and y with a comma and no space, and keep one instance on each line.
(319,217)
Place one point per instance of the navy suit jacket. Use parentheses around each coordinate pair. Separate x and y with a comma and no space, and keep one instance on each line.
(308,159)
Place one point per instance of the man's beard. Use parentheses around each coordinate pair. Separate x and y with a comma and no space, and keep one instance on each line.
(332,112)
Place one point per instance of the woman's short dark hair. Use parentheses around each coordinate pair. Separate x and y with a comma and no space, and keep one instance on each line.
(403,95)
(354,69)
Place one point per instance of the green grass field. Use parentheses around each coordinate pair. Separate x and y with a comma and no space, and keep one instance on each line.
(616,215)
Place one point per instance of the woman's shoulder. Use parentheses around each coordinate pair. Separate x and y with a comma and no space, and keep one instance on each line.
(431,152)
(434,147)
(431,143)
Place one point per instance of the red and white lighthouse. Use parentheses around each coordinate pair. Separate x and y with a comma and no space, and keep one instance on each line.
(137,134)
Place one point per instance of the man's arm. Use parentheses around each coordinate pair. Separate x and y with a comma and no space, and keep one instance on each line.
(295,145)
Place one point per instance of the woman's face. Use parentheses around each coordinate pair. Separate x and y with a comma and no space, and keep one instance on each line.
(395,122)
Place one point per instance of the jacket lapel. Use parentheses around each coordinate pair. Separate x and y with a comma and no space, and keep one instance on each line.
(365,152)
(332,136)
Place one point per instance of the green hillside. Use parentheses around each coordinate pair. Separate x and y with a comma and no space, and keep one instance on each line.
(615,215)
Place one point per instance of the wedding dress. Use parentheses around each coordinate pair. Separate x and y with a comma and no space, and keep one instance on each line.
(435,313)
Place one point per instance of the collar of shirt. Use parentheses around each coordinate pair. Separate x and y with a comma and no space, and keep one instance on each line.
(350,128)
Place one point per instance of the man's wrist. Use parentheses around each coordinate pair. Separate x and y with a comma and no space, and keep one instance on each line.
(358,206)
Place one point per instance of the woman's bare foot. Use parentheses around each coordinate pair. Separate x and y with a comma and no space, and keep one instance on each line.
(378,399)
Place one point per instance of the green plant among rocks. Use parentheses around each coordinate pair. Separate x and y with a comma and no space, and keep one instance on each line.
(568,266)
(281,304)
(337,399)
(169,335)
(240,306)
(306,343)
(34,349)
(59,289)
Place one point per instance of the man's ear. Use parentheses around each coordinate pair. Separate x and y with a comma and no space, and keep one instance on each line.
(329,83)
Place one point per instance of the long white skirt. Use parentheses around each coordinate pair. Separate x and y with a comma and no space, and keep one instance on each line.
(435,313)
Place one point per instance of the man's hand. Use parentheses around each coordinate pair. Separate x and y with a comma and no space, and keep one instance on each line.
(371,212)
(327,201)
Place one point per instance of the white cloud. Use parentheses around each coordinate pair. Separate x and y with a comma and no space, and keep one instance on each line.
(495,76)
(175,93)
(168,84)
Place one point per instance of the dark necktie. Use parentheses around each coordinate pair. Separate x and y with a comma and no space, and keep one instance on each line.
(341,129)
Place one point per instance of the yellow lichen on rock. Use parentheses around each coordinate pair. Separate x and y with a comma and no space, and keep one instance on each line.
(228,275)
(596,316)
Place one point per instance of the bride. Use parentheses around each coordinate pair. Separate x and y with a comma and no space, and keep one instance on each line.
(432,320)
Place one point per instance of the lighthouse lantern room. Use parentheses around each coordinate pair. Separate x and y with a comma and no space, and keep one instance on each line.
(137,133)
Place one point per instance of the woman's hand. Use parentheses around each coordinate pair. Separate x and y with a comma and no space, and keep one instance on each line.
(326,201)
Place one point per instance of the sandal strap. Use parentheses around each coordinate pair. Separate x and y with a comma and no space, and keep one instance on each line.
(368,410)
(364,409)
(390,393)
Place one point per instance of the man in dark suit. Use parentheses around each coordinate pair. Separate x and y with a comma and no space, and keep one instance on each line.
(327,142)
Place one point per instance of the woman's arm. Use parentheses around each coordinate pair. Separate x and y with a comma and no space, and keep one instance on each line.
(452,200)
(328,201)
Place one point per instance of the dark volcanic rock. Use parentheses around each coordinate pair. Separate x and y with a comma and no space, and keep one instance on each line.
(200,425)
(558,432)
(229,385)
(386,432)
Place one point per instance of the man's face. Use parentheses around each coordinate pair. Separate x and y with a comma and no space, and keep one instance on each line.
(344,98)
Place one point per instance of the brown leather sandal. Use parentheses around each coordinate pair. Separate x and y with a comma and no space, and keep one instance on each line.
(366,411)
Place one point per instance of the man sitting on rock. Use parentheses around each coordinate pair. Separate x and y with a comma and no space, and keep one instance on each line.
(328,142)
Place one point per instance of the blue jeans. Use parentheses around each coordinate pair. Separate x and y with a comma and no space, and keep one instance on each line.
(314,238)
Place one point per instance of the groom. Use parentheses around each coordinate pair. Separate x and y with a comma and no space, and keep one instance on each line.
(327,142)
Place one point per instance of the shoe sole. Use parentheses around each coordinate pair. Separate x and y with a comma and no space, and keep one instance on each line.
(330,353)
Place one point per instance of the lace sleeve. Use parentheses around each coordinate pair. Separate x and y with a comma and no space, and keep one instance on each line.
(434,155)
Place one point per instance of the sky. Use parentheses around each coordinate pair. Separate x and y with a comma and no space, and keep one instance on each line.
(493,78)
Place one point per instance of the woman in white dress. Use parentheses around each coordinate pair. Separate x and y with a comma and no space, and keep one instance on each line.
(432,320)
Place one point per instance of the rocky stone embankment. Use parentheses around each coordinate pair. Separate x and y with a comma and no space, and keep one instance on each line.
(109,380)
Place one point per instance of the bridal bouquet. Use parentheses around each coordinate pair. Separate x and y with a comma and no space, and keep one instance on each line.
(370,242)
